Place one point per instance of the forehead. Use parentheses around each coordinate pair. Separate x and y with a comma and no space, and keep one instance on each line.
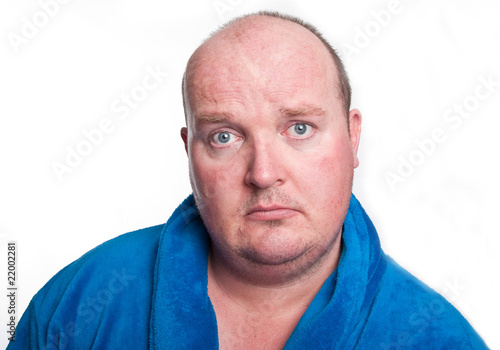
(272,58)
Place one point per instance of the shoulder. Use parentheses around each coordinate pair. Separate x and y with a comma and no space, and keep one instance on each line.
(130,251)
(84,298)
(412,315)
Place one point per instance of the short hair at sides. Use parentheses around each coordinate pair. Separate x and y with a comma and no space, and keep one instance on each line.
(343,80)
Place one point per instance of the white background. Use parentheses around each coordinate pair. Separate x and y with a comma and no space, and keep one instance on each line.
(409,68)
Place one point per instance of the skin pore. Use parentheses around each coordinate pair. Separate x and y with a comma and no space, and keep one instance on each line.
(271,162)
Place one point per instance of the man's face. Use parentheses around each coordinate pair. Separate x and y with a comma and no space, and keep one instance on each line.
(271,157)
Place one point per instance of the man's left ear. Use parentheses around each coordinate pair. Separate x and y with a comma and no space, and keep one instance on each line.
(184,136)
(355,130)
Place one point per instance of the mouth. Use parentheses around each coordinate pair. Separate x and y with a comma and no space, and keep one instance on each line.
(270,212)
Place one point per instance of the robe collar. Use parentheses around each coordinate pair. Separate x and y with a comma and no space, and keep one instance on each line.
(182,313)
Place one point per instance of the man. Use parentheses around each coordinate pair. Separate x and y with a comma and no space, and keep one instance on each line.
(272,250)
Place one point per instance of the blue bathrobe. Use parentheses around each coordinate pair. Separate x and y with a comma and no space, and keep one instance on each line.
(148,290)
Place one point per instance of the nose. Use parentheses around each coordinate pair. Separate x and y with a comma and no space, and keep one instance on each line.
(264,166)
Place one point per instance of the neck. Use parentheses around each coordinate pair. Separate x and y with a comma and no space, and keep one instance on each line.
(276,298)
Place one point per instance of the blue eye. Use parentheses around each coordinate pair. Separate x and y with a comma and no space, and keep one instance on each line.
(223,138)
(300,130)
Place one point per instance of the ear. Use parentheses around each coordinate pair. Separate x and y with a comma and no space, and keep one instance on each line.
(184,135)
(355,130)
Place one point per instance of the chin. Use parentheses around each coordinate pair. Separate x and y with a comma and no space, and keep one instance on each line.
(272,256)
(269,269)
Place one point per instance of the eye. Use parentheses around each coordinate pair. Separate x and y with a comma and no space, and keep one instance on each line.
(299,130)
(223,138)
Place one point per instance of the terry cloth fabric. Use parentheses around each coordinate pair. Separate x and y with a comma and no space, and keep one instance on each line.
(148,290)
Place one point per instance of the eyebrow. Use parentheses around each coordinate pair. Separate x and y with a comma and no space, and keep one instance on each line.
(288,112)
(209,118)
(302,111)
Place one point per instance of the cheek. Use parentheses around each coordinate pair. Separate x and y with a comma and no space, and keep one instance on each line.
(213,183)
(327,180)
(332,180)
(332,168)
(215,192)
(209,182)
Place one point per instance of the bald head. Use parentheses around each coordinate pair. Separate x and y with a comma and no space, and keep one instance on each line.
(249,40)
